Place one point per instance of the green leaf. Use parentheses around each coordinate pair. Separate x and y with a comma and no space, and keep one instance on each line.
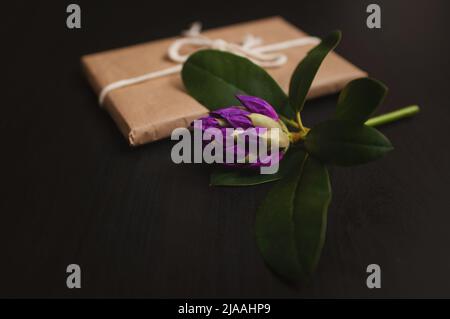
(346,143)
(306,70)
(291,222)
(225,176)
(214,78)
(240,177)
(359,99)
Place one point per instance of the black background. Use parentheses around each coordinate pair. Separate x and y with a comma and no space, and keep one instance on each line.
(72,191)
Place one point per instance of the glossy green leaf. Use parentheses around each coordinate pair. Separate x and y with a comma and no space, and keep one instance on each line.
(291,222)
(214,78)
(306,70)
(225,176)
(346,143)
(359,99)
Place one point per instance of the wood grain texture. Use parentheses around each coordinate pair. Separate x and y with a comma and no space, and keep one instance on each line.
(72,191)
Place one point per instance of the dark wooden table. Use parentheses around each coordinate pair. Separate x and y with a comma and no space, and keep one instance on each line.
(72,191)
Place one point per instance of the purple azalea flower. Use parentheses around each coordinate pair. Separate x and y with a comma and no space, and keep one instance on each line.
(254,113)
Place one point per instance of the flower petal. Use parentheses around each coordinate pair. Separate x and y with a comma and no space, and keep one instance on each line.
(257,105)
(235,116)
(208,121)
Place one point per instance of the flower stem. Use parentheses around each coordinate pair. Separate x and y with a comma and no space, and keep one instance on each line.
(374,121)
(300,123)
(393,116)
(302,131)
(289,122)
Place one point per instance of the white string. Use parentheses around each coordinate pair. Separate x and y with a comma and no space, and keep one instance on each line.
(250,48)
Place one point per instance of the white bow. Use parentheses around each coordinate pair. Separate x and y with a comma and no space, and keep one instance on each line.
(250,48)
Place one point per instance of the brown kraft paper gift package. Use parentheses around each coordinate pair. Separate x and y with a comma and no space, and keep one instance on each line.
(151,110)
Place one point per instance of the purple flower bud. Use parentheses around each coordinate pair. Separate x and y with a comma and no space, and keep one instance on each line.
(255,113)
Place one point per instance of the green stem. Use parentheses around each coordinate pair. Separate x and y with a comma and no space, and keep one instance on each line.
(374,121)
(300,123)
(289,122)
(393,116)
